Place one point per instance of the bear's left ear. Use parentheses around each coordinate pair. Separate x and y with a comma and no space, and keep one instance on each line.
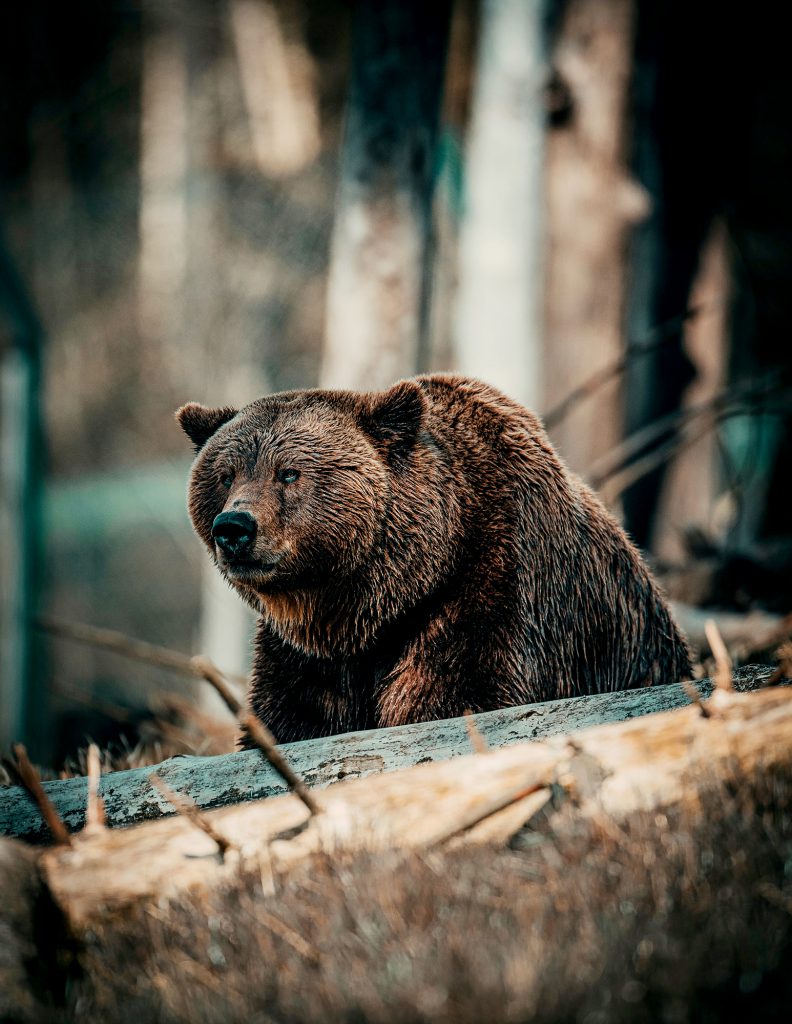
(394,418)
(199,423)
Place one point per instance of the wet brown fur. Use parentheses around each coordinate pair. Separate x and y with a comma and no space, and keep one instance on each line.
(436,556)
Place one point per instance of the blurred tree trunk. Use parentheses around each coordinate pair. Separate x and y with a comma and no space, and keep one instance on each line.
(377,292)
(498,328)
(591,206)
(23,711)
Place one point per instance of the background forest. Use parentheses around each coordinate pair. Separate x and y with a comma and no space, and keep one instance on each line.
(585,202)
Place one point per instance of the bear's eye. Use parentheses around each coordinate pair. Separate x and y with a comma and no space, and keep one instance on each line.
(226,480)
(287,476)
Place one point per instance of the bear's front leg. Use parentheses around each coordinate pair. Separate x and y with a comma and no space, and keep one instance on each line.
(462,662)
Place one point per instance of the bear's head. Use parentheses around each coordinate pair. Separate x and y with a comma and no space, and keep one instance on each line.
(296,489)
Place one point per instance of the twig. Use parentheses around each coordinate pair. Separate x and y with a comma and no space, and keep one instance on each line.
(723,664)
(184,805)
(258,732)
(656,338)
(615,485)
(477,741)
(267,744)
(632,446)
(771,637)
(95,810)
(128,647)
(784,667)
(283,931)
(203,667)
(31,780)
(695,697)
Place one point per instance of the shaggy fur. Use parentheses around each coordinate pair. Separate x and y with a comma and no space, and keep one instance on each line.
(434,555)
(672,918)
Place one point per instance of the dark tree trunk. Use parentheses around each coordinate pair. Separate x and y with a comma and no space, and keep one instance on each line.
(376,299)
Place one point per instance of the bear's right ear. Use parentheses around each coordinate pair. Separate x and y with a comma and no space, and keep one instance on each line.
(394,418)
(199,423)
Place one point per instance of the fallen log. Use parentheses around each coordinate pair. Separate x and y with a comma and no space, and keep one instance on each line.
(211,782)
(605,774)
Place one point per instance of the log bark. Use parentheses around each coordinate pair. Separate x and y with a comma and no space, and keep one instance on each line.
(212,782)
(604,774)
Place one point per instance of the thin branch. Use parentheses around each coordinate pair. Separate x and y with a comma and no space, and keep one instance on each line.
(638,469)
(184,805)
(128,647)
(655,339)
(267,744)
(728,402)
(31,780)
(695,697)
(203,667)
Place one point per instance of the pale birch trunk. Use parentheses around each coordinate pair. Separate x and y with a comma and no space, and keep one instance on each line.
(499,301)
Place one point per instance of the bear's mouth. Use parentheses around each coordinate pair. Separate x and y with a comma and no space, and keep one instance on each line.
(248,570)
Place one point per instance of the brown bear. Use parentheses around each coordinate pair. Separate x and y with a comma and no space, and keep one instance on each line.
(417,552)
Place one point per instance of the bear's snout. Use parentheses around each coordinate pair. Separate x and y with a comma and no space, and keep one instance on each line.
(234,533)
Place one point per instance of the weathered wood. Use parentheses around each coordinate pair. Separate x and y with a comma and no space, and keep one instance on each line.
(235,778)
(608,773)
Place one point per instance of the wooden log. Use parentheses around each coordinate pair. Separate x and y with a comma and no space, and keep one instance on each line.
(607,772)
(235,778)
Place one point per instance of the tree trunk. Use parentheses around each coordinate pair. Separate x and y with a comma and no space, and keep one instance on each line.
(498,329)
(377,302)
(591,204)
(23,712)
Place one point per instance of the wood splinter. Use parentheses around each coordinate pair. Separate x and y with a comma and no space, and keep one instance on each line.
(95,809)
(477,741)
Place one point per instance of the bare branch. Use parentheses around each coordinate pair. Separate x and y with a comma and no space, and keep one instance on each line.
(654,340)
(187,807)
(268,745)
(31,780)
(126,646)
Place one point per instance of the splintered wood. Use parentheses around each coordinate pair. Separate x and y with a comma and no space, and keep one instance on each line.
(650,763)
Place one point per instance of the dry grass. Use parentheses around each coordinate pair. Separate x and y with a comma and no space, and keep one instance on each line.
(680,918)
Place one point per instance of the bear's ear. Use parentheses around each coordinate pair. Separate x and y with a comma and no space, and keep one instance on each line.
(199,423)
(394,418)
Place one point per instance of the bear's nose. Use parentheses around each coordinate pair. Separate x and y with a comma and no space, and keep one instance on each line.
(234,533)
